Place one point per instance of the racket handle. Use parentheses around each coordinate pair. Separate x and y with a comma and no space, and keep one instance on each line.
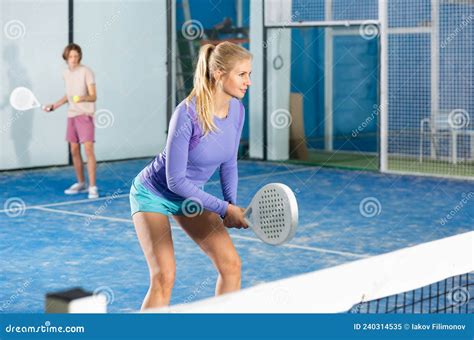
(247,212)
(247,216)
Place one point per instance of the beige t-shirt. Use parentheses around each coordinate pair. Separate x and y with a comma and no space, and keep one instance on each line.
(76,82)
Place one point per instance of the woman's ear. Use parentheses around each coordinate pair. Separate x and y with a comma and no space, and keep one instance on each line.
(217,75)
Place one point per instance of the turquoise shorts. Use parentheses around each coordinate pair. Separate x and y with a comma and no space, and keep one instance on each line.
(141,199)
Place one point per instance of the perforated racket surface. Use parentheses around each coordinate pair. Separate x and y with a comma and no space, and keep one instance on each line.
(273,214)
(23,99)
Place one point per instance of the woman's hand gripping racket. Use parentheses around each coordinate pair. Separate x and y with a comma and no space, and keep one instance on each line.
(273,214)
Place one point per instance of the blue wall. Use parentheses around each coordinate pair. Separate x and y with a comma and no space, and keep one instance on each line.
(307,78)
(356,73)
(308,67)
(355,90)
(355,93)
(210,13)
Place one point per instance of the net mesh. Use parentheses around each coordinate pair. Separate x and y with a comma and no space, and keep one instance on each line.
(354,10)
(315,10)
(434,277)
(308,10)
(430,75)
(430,106)
(319,10)
(452,295)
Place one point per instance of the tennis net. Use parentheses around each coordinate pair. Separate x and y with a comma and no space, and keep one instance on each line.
(433,277)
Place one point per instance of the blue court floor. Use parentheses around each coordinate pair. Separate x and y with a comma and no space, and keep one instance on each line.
(53,242)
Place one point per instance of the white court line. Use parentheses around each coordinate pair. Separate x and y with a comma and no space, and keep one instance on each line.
(93,217)
(275,173)
(246,238)
(315,249)
(86,200)
(311,225)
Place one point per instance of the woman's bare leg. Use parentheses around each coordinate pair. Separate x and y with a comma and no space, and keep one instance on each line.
(154,233)
(208,231)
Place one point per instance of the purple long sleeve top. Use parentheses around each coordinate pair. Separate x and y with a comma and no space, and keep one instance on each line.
(190,158)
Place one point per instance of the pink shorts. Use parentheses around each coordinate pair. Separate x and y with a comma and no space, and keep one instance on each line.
(80,129)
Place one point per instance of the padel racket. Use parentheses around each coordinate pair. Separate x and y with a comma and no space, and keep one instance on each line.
(273,214)
(22,99)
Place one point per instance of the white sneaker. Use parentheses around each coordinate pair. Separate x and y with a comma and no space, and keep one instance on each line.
(76,188)
(93,192)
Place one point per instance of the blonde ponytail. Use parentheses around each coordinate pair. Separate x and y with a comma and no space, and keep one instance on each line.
(203,88)
(211,58)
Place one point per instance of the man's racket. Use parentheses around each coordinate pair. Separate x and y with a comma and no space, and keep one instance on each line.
(273,214)
(22,99)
